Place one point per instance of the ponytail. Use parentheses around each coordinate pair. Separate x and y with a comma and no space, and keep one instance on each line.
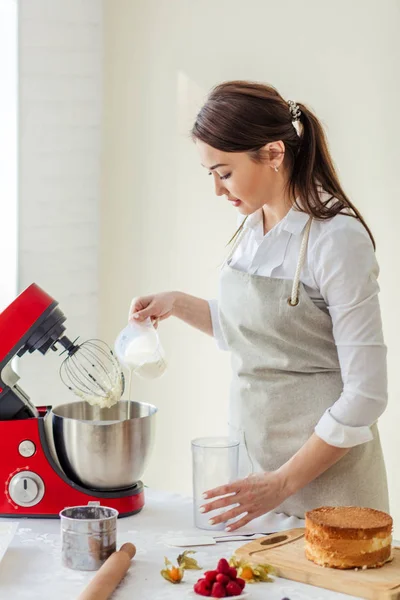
(242,116)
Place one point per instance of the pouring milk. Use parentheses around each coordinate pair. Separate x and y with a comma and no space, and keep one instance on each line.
(138,348)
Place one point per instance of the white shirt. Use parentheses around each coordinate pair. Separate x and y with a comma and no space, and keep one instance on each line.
(340,275)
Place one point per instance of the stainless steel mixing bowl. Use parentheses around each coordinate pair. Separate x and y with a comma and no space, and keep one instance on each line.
(104,448)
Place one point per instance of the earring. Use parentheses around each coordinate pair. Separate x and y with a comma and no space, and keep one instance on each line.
(276,169)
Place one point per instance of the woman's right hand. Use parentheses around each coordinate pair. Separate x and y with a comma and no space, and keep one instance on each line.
(157,306)
(193,311)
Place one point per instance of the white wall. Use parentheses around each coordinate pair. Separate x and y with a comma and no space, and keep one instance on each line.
(8,150)
(60,88)
(162,227)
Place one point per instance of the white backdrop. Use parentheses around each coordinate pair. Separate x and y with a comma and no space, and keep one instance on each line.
(8,150)
(162,227)
(60,51)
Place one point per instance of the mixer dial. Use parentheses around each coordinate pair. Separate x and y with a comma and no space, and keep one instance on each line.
(26,488)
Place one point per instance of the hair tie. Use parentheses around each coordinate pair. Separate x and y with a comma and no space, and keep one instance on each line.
(295,113)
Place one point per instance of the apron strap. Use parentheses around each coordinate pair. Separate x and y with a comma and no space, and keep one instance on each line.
(294,298)
(234,246)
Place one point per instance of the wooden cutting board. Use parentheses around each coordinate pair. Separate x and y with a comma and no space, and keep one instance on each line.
(285,552)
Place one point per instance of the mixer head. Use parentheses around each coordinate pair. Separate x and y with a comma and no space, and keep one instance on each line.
(92,372)
(34,322)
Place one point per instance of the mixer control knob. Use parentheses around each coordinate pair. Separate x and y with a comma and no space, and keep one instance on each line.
(27,448)
(26,488)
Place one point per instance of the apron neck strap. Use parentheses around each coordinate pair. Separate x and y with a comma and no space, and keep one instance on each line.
(235,244)
(294,298)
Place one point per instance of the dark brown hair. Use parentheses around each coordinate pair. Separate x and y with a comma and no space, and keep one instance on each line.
(242,116)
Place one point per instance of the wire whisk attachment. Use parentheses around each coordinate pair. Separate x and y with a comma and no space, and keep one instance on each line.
(92,372)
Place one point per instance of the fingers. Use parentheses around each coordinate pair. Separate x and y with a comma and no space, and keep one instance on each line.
(156,306)
(155,321)
(220,503)
(135,306)
(227,515)
(243,500)
(240,499)
(230,488)
(247,517)
(144,314)
(140,308)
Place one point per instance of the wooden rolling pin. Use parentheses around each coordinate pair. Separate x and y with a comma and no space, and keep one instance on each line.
(110,574)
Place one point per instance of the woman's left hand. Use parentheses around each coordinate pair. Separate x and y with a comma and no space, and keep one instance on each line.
(255,496)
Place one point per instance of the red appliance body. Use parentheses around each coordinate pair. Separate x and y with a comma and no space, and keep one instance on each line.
(34,322)
(20,317)
(59,490)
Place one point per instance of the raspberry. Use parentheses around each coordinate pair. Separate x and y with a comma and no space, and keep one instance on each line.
(218,590)
(211,576)
(223,566)
(233,589)
(224,579)
(242,584)
(232,573)
(202,588)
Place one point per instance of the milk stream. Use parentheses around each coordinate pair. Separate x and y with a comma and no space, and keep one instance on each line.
(128,413)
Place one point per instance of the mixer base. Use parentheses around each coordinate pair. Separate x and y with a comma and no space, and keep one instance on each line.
(57,490)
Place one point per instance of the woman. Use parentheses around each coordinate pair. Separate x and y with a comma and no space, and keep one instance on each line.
(298,309)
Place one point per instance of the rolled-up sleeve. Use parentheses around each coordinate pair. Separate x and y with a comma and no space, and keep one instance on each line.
(346,272)
(216,325)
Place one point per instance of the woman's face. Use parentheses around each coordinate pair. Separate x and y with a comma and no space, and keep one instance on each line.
(247,184)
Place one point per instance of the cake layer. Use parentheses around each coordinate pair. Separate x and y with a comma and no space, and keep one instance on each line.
(348,537)
(348,522)
(338,561)
(347,547)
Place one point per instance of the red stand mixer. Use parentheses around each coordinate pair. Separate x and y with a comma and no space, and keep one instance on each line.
(36,471)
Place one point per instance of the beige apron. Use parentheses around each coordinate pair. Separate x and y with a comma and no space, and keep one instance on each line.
(286,374)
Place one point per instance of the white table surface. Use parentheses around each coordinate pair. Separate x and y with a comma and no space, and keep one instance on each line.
(31,568)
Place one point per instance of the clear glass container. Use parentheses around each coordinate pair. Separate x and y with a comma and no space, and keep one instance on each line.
(215,462)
